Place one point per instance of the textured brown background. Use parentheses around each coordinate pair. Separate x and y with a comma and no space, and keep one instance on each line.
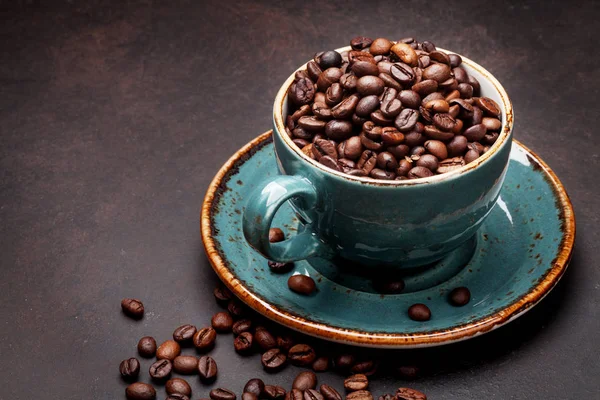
(115,115)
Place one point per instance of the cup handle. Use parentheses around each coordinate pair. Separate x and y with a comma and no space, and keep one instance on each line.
(262,207)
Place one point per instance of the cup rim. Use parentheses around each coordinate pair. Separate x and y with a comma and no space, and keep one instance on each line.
(505,131)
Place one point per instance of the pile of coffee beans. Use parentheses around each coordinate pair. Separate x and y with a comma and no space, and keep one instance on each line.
(390,110)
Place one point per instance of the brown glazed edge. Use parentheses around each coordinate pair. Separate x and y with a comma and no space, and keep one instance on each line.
(375,339)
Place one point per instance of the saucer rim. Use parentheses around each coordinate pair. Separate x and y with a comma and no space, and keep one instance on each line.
(380,339)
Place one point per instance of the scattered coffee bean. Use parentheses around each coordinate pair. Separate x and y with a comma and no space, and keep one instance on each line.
(243,325)
(409,394)
(356,382)
(302,355)
(301,284)
(305,380)
(273,360)
(222,322)
(130,368)
(274,392)
(280,268)
(160,370)
(204,339)
(285,343)
(329,393)
(185,365)
(387,396)
(264,339)
(133,308)
(207,369)
(408,371)
(460,296)
(255,386)
(147,347)
(168,350)
(365,367)
(236,308)
(179,386)
(360,395)
(312,394)
(243,342)
(140,391)
(184,333)
(321,364)
(276,235)
(343,362)
(222,394)
(419,312)
(177,396)
(222,295)
(249,396)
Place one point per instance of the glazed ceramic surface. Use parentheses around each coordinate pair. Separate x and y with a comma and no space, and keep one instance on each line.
(378,223)
(520,253)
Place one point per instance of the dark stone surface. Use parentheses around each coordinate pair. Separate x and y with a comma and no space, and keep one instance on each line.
(114,117)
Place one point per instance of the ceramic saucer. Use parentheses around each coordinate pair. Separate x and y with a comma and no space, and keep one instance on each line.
(521,251)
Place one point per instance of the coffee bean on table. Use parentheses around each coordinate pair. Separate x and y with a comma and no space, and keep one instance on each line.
(207,369)
(243,325)
(168,350)
(243,342)
(177,396)
(408,371)
(276,235)
(160,369)
(222,394)
(329,393)
(140,391)
(295,394)
(184,333)
(264,339)
(419,312)
(305,380)
(302,355)
(236,308)
(130,368)
(389,286)
(147,347)
(249,396)
(222,322)
(255,386)
(312,394)
(343,362)
(285,343)
(273,360)
(185,365)
(274,392)
(321,364)
(356,382)
(360,395)
(222,294)
(365,367)
(301,284)
(409,394)
(460,296)
(133,308)
(204,339)
(178,385)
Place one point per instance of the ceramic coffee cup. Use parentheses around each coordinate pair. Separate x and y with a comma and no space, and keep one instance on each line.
(372,222)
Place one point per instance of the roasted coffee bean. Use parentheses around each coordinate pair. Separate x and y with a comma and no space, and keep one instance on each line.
(450,164)
(236,308)
(490,138)
(458,127)
(301,133)
(185,365)
(456,147)
(465,90)
(489,106)
(455,60)
(380,119)
(222,322)
(478,147)
(404,166)
(360,395)
(475,83)
(414,138)
(365,367)
(354,56)
(276,235)
(433,132)
(407,371)
(313,70)
(168,350)
(285,343)
(345,109)
(417,151)
(177,396)
(204,339)
(369,143)
(243,325)
(328,77)
(324,147)
(410,99)
(321,364)
(405,53)
(147,347)
(380,46)
(184,333)
(387,285)
(334,94)
(328,59)
(419,312)
(302,355)
(465,108)
(431,97)
(368,85)
(437,72)
(348,82)
(302,91)
(343,362)
(130,368)
(249,396)
(491,124)
(295,394)
(358,121)
(475,133)
(273,360)
(255,386)
(388,81)
(353,148)
(367,105)
(161,369)
(391,137)
(222,294)
(372,131)
(459,296)
(471,155)
(360,42)
(364,68)
(305,380)
(460,74)
(140,391)
(386,161)
(280,268)
(444,121)
(424,60)
(437,148)
(406,120)
(312,394)
(346,164)
(378,173)
(428,161)
(264,339)
(311,124)
(437,106)
(222,394)
(387,396)
(301,284)
(273,392)
(329,393)
(301,112)
(384,67)
(133,308)
(440,57)
(477,116)
(409,394)
(321,111)
(207,369)
(356,382)
(391,109)
(425,87)
(403,74)
(419,172)
(243,342)
(454,94)
(367,161)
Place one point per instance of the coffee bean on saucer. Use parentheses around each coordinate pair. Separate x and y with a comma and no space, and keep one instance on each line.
(130,368)
(460,296)
(185,365)
(280,268)
(360,395)
(356,382)
(305,380)
(222,394)
(222,295)
(409,394)
(276,235)
(321,364)
(160,370)
(147,347)
(302,355)
(389,286)
(243,342)
(274,392)
(243,325)
(419,312)
(329,393)
(264,339)
(273,360)
(133,308)
(204,339)
(184,333)
(140,391)
(222,322)
(207,369)
(255,386)
(301,284)
(168,350)
(178,385)
(312,394)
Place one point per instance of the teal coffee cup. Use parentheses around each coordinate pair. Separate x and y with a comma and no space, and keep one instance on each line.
(400,223)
